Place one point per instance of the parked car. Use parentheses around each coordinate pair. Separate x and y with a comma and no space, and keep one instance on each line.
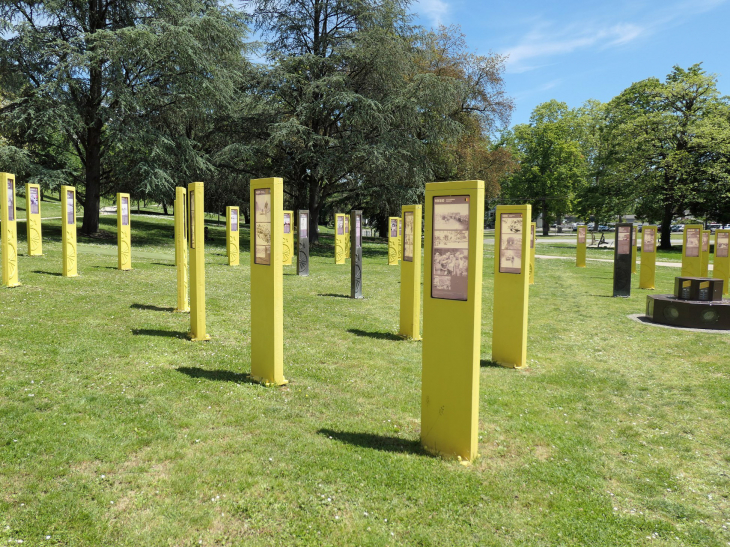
(713,227)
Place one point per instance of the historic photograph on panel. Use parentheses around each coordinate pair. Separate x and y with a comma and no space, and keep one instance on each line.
(581,234)
(340,225)
(70,213)
(11,201)
(358,232)
(693,243)
(191,224)
(722,245)
(647,240)
(34,201)
(408,237)
(262,220)
(125,211)
(449,247)
(510,243)
(532,236)
(624,240)
(393,227)
(234,220)
(347,224)
(287,223)
(303,225)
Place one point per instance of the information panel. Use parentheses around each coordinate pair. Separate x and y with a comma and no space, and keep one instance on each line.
(721,251)
(581,234)
(450,248)
(705,242)
(340,225)
(34,201)
(287,223)
(191,222)
(408,236)
(358,232)
(393,227)
(234,220)
(262,221)
(510,243)
(692,247)
(303,224)
(11,201)
(125,211)
(70,208)
(648,240)
(624,240)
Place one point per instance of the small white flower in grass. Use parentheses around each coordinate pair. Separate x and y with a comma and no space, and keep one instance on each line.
(337,517)
(48,537)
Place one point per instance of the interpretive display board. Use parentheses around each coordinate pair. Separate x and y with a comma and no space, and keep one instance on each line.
(705,253)
(622,260)
(533,243)
(452,318)
(356,255)
(410,274)
(262,223)
(181,249)
(267,286)
(233,235)
(68,231)
(392,241)
(288,238)
(580,256)
(348,243)
(400,239)
(124,238)
(196,222)
(721,264)
(647,273)
(303,243)
(691,255)
(33,220)
(9,227)
(340,238)
(634,245)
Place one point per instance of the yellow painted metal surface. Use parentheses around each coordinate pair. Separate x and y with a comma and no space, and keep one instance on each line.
(634,245)
(233,221)
(288,238)
(705,253)
(124,237)
(721,264)
(410,273)
(511,285)
(533,244)
(267,283)
(340,238)
(9,238)
(392,241)
(68,231)
(580,256)
(452,327)
(647,273)
(181,249)
(691,254)
(196,243)
(34,233)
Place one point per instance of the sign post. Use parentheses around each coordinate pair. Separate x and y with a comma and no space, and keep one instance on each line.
(303,243)
(124,239)
(340,244)
(511,285)
(288,249)
(33,219)
(9,239)
(648,257)
(721,265)
(181,250)
(356,254)
(68,231)
(267,282)
(392,241)
(452,311)
(533,242)
(196,241)
(634,245)
(410,274)
(622,259)
(232,235)
(580,258)
(705,253)
(691,255)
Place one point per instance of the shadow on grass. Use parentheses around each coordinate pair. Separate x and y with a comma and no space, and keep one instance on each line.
(48,273)
(489,363)
(217,375)
(384,443)
(379,335)
(149,307)
(159,332)
(163,264)
(602,295)
(334,295)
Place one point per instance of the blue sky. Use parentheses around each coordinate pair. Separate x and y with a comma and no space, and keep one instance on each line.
(574,51)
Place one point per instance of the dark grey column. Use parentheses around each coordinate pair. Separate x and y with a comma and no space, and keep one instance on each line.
(356,254)
(303,243)
(622,260)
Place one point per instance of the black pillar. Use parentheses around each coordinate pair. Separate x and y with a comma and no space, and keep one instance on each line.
(303,243)
(356,254)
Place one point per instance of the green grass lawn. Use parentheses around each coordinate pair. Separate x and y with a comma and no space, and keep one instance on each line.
(116,430)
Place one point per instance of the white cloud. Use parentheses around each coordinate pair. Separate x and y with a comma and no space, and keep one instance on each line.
(435,10)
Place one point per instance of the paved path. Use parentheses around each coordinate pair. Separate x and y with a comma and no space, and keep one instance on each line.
(551,257)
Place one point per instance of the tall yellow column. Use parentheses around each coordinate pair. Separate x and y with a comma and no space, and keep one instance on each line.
(634,244)
(400,238)
(340,245)
(410,274)
(33,219)
(533,242)
(452,311)
(347,237)
(68,231)
(648,257)
(267,284)
(9,239)
(288,238)
(705,253)
(580,257)
(181,249)
(124,238)
(232,235)
(196,240)
(721,265)
(691,255)
(511,285)
(392,241)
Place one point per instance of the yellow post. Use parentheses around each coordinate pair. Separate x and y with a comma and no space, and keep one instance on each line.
(33,219)
(68,231)
(196,240)
(580,257)
(452,312)
(347,237)
(691,255)
(533,242)
(392,241)
(181,249)
(340,244)
(511,285)
(410,274)
(124,238)
(267,284)
(721,265)
(400,238)
(232,235)
(9,239)
(705,253)
(648,257)
(288,251)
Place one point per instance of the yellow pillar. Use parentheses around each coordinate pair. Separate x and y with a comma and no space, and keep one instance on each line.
(347,237)
(452,311)
(648,257)
(511,285)
(267,285)
(68,231)
(196,240)
(705,253)
(288,238)
(580,257)
(634,243)
(181,249)
(392,241)
(410,274)
(33,219)
(232,235)
(533,242)
(691,255)
(9,239)
(124,238)
(400,238)
(721,265)
(340,245)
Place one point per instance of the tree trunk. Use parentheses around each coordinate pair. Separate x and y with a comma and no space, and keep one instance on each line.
(164,206)
(666,228)
(545,220)
(315,206)
(93,179)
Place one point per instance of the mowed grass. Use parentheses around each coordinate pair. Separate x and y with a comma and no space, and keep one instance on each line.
(116,430)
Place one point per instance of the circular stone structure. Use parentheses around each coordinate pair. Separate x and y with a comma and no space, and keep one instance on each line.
(667,309)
